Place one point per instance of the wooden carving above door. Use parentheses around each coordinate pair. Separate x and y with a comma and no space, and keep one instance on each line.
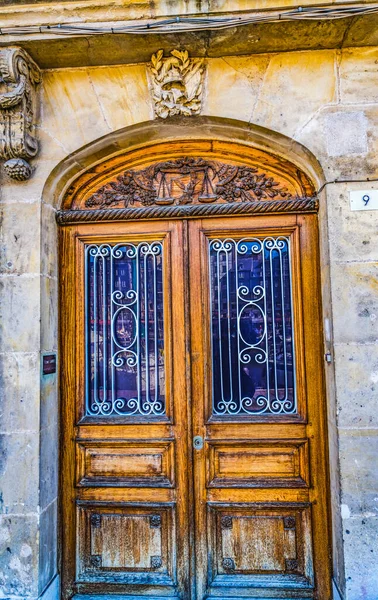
(185,179)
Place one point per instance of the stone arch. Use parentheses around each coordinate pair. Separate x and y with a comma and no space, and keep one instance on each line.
(65,178)
(149,133)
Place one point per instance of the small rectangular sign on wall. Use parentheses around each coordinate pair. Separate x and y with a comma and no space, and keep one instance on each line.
(364,200)
(49,364)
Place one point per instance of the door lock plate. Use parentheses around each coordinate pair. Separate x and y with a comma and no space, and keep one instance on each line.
(197,442)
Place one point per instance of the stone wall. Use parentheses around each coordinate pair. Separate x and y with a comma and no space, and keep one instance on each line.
(325,100)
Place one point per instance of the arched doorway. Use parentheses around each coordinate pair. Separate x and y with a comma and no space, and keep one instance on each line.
(194,454)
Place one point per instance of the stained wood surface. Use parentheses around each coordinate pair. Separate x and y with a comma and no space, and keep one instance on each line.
(143,512)
(116,174)
(124,480)
(258,464)
(125,463)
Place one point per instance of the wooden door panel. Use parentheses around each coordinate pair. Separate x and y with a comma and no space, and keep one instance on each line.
(119,463)
(126,494)
(126,544)
(245,495)
(135,433)
(125,404)
(261,545)
(251,463)
(257,508)
(265,431)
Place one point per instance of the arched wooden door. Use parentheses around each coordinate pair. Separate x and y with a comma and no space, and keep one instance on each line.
(194,455)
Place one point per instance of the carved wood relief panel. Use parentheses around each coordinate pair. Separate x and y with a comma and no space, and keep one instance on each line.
(187,180)
(183,179)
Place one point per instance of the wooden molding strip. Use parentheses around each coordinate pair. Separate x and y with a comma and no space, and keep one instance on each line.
(300,205)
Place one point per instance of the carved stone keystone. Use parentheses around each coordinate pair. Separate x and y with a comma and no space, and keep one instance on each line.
(177,83)
(19,77)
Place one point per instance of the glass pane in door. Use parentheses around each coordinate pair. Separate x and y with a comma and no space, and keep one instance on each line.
(124,329)
(253,366)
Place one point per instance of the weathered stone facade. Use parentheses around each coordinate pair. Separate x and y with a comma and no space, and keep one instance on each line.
(322,103)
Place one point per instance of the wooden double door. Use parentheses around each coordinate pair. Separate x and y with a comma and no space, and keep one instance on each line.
(194,456)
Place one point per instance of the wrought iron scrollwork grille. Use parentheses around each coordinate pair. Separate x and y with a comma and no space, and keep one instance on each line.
(124,328)
(252,326)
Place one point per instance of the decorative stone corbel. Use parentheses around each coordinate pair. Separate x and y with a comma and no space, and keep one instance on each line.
(19,77)
(177,83)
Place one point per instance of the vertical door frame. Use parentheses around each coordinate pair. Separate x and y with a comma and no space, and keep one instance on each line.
(71,216)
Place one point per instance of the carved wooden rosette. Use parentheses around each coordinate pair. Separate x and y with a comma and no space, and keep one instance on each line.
(184,186)
(19,77)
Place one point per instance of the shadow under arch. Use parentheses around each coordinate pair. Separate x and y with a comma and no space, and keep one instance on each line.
(150,133)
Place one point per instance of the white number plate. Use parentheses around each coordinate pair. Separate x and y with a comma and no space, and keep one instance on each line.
(364,200)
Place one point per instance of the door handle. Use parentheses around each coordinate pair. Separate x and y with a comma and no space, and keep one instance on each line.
(197,442)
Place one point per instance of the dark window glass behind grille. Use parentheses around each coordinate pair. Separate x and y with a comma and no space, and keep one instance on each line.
(251,327)
(124,330)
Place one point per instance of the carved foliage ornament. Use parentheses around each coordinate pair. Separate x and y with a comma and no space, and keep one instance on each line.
(19,76)
(177,83)
(187,181)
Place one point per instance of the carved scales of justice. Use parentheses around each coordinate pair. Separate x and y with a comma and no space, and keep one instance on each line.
(169,179)
(187,180)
